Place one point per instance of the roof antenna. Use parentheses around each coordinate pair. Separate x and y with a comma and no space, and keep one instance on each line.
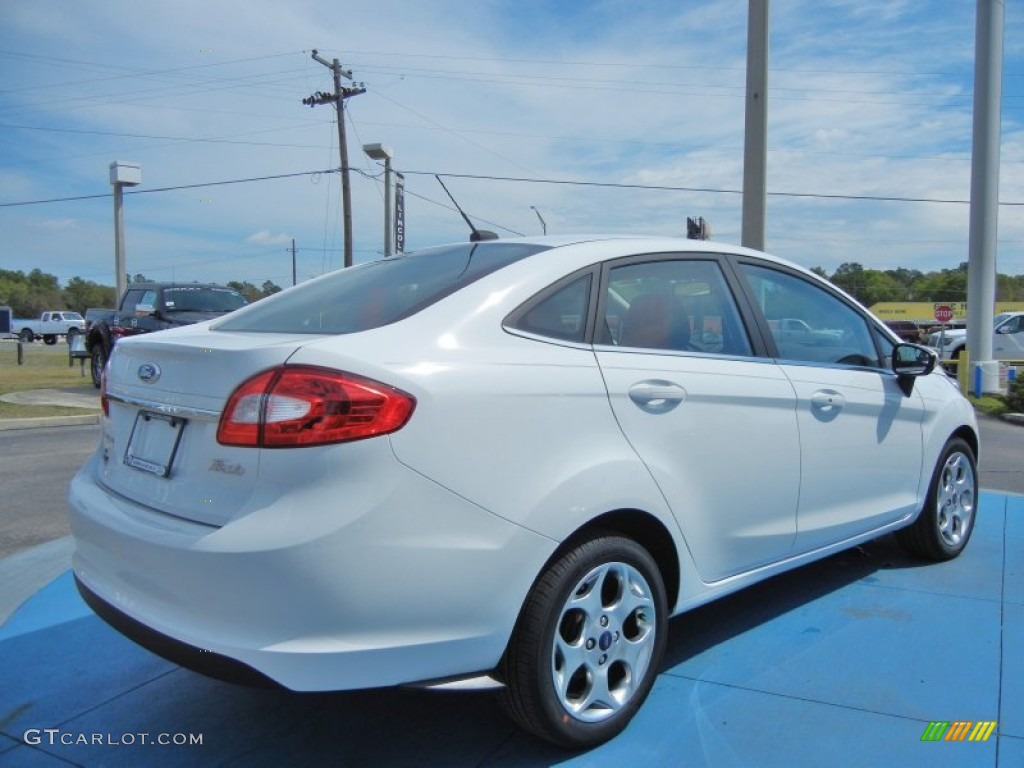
(477,234)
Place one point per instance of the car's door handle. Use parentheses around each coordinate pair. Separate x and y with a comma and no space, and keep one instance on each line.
(827,401)
(657,396)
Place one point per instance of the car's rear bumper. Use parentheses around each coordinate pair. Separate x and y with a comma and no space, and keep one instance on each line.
(419,586)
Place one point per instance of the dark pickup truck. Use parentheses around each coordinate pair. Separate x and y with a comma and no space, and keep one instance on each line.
(148,307)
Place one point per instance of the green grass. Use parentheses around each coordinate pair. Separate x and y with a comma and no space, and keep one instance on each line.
(42,367)
(993,405)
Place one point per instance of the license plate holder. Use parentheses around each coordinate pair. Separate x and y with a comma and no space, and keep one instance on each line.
(154,443)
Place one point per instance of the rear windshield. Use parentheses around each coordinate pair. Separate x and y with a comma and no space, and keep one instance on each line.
(382,292)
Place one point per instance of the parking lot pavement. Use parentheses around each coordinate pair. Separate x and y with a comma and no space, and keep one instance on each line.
(844,662)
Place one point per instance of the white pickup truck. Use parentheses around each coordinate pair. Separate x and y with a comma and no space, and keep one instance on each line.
(1007,339)
(49,326)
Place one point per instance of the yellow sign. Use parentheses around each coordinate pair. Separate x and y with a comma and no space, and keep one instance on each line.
(924,311)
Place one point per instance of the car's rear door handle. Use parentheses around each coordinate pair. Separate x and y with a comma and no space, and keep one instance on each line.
(827,401)
(657,396)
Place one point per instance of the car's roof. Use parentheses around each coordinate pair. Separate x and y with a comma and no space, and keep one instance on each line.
(644,244)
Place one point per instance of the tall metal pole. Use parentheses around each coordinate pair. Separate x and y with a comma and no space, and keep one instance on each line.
(755,141)
(293,261)
(120,277)
(981,264)
(122,174)
(389,210)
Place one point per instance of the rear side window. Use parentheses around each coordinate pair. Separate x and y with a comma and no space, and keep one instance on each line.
(200,298)
(562,314)
(379,293)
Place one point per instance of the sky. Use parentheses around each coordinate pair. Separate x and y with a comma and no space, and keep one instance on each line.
(619,116)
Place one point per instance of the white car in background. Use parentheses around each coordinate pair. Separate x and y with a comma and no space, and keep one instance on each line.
(1007,339)
(511,460)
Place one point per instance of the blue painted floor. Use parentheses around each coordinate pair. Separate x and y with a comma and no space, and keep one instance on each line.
(844,662)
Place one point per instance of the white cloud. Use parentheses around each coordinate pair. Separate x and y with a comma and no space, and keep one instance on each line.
(263,237)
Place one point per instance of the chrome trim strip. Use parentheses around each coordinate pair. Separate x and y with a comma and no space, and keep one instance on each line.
(167,408)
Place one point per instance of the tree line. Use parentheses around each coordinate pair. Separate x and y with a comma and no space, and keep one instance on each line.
(29,295)
(871,286)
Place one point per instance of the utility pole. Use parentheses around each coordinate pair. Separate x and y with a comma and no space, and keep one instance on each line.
(338,97)
(293,261)
(755,139)
(983,237)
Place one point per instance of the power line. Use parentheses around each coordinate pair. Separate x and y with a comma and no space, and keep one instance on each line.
(172,189)
(636,65)
(524,180)
(667,188)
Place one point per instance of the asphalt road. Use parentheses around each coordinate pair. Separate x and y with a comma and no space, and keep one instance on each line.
(1001,467)
(37,465)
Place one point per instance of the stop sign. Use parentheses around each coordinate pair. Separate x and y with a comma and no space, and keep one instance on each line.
(943,313)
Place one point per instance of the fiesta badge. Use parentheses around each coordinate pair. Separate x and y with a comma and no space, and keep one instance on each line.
(149,372)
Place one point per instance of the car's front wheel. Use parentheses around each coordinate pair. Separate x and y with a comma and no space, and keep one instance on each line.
(946,522)
(588,643)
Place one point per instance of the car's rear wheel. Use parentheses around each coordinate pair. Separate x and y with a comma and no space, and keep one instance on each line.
(588,643)
(50,339)
(97,359)
(944,526)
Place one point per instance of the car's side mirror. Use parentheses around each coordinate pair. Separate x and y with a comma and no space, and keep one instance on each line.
(910,361)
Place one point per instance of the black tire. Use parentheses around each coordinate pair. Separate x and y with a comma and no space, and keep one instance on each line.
(946,522)
(97,359)
(50,339)
(580,605)
(26,335)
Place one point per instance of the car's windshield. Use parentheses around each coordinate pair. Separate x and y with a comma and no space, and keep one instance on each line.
(202,298)
(378,293)
(998,319)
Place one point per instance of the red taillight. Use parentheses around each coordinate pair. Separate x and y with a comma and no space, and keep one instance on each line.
(296,405)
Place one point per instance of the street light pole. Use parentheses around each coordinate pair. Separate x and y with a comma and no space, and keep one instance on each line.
(381,152)
(121,175)
(543,224)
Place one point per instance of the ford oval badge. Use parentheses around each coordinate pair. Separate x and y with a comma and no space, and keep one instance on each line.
(149,372)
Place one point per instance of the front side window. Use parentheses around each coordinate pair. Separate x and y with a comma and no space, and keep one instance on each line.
(672,304)
(1016,325)
(375,294)
(132,297)
(807,322)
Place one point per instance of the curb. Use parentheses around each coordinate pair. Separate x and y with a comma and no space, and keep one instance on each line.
(49,421)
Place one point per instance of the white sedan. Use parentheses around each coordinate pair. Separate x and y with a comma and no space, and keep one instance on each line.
(506,460)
